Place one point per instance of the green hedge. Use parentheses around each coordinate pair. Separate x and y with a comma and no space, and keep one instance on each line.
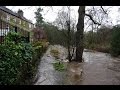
(15,60)
(19,60)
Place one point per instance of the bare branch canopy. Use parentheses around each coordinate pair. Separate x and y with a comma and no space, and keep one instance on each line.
(91,18)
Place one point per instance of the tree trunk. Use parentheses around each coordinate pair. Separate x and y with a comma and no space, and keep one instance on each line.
(79,34)
(69,36)
(68,43)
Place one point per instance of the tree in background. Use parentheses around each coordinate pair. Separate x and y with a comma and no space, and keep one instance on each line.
(39,17)
(53,34)
(79,34)
(56,35)
(115,42)
(39,32)
(66,24)
(101,40)
(80,30)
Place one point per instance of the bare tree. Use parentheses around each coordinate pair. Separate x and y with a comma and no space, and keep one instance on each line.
(80,30)
(66,23)
(79,34)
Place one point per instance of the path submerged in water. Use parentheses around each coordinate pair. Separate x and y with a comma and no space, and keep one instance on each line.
(97,69)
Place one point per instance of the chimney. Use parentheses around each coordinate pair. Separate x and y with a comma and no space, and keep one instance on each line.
(20,13)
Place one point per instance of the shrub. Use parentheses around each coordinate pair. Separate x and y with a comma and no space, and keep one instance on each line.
(59,66)
(115,42)
(102,48)
(55,53)
(15,60)
(40,47)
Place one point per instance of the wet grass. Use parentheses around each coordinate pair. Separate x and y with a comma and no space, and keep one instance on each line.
(55,53)
(59,66)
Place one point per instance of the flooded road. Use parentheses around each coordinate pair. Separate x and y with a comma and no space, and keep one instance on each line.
(47,75)
(97,69)
(100,69)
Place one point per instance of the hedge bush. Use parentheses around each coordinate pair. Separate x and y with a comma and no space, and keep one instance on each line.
(15,60)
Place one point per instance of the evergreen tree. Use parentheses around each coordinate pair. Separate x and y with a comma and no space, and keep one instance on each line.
(39,18)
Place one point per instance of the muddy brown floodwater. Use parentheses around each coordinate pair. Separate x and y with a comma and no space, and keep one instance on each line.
(47,75)
(97,69)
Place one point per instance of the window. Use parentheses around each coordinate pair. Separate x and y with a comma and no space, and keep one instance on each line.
(4,31)
(8,18)
(7,27)
(24,23)
(14,19)
(29,25)
(20,22)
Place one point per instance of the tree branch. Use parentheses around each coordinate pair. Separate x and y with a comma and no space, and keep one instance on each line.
(103,10)
(91,18)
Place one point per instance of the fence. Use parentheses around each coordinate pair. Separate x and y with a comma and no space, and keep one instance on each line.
(5,28)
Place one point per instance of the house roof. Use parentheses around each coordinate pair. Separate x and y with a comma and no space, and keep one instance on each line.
(3,8)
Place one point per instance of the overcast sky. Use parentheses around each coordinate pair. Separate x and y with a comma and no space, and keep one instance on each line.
(50,14)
